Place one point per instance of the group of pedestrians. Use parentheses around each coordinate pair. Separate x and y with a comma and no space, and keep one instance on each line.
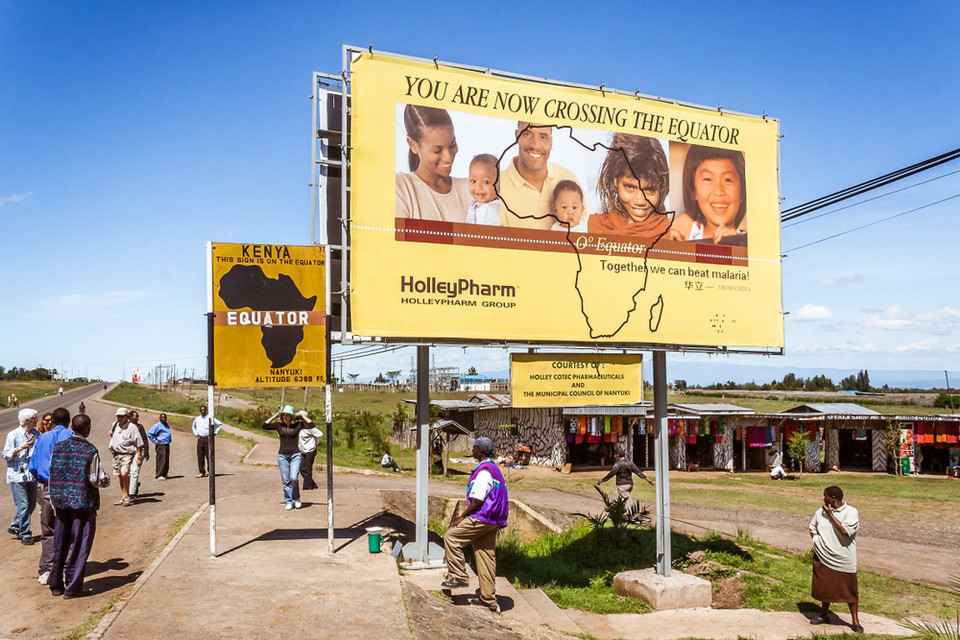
(56,464)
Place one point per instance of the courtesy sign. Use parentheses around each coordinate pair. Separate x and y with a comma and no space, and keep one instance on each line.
(573,380)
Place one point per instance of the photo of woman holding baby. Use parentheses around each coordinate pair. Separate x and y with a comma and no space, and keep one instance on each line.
(714,197)
(428,192)
(633,183)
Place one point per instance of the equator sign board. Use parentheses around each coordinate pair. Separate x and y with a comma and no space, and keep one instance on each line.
(488,208)
(269,315)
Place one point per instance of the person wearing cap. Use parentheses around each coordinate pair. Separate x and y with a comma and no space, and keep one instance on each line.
(121,420)
(478,525)
(289,456)
(17,451)
(126,446)
(201,429)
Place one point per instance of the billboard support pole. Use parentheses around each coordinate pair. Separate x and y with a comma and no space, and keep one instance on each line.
(662,462)
(328,414)
(423,448)
(211,381)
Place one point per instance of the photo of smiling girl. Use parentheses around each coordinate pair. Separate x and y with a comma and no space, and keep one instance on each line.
(714,197)
(633,183)
(429,192)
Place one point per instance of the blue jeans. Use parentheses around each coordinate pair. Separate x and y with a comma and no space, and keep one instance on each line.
(25,499)
(289,470)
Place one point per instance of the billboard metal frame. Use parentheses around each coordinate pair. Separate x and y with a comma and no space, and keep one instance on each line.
(325,85)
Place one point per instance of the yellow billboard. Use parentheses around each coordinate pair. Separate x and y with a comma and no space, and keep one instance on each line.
(573,380)
(490,208)
(269,315)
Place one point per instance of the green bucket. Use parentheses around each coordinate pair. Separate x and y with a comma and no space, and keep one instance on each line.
(374,539)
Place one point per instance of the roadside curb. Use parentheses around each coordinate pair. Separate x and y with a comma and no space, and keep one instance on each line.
(104,625)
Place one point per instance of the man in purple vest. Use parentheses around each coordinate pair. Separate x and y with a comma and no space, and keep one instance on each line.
(478,525)
(75,478)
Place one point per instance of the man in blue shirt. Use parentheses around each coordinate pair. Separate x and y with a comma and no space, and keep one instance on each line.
(40,468)
(159,435)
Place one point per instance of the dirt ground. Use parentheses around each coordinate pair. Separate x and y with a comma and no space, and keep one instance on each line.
(128,539)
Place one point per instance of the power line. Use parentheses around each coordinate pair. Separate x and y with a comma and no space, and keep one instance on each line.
(859,189)
(882,195)
(870,224)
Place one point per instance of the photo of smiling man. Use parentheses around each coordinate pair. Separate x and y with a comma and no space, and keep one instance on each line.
(526,186)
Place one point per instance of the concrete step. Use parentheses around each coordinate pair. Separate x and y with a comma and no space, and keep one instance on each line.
(548,612)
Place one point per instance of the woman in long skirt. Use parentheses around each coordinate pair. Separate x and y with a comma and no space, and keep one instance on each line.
(834,531)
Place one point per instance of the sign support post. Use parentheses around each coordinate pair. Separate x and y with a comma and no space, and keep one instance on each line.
(662,462)
(423,449)
(211,381)
(328,414)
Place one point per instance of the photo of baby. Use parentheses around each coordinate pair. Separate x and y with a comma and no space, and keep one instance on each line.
(482,179)
(568,207)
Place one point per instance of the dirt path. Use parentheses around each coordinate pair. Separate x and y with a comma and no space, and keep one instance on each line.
(127,538)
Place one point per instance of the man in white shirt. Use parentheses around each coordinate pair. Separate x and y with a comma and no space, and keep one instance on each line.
(127,446)
(201,429)
(17,451)
(526,185)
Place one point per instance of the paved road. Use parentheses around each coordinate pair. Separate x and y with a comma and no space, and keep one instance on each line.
(70,399)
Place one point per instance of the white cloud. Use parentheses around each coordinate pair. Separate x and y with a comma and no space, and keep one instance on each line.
(87,306)
(19,197)
(811,312)
(940,322)
(843,281)
(846,348)
(921,346)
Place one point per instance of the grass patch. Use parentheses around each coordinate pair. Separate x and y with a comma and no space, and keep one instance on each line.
(27,390)
(175,527)
(136,395)
(576,568)
(84,628)
(248,443)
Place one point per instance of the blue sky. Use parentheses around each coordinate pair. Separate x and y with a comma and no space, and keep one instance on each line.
(132,133)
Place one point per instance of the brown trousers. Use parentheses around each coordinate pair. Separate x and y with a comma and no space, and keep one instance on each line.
(483,537)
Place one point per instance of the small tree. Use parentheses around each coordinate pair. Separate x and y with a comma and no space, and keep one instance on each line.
(797,448)
(472,371)
(621,515)
(371,426)
(891,443)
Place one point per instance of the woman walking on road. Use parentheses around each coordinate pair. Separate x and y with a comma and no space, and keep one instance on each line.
(289,456)
(834,530)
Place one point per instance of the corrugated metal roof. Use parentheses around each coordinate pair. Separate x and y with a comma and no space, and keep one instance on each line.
(637,410)
(711,408)
(834,409)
